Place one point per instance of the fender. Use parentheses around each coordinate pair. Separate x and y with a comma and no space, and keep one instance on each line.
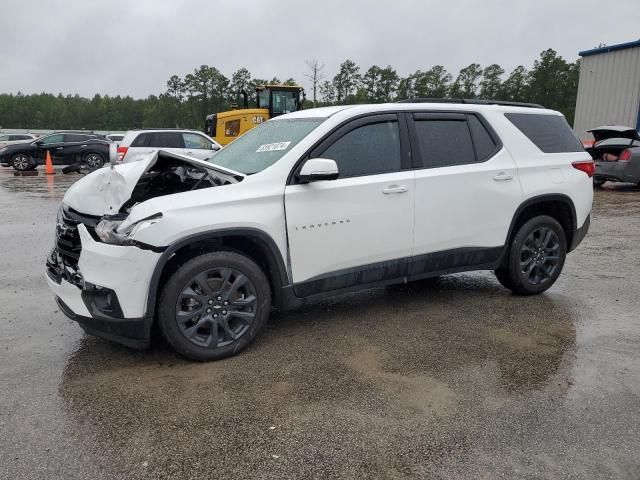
(274,258)
(552,197)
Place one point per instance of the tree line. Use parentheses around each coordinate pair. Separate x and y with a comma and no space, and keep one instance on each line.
(550,81)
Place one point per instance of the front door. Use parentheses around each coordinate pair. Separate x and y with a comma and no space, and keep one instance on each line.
(51,143)
(357,229)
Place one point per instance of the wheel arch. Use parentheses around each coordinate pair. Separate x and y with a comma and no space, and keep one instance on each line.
(254,243)
(557,206)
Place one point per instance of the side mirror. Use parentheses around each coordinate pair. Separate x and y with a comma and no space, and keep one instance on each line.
(316,169)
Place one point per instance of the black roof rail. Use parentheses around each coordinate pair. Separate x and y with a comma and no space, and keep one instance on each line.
(471,101)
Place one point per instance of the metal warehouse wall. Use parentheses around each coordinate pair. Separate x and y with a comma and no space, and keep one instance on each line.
(609,90)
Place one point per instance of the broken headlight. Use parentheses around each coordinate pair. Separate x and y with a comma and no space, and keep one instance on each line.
(118,231)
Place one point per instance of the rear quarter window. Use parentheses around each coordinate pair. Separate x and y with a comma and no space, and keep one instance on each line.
(550,133)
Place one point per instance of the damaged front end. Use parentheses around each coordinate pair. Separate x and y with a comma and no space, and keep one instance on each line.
(99,273)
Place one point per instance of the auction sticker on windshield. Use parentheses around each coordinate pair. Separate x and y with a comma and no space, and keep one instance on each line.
(272,147)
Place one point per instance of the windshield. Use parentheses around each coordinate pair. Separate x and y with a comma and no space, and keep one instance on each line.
(264,145)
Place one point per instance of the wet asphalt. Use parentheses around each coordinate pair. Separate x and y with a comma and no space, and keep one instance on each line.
(447,378)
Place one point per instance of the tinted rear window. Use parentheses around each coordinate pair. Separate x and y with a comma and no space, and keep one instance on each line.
(159,140)
(74,137)
(444,142)
(550,133)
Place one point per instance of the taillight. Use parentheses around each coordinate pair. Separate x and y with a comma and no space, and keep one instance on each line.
(588,167)
(625,156)
(122,151)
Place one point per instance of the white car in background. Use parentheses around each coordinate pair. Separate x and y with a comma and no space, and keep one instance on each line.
(137,144)
(11,138)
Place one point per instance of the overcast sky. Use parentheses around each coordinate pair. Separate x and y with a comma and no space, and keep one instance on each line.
(132,47)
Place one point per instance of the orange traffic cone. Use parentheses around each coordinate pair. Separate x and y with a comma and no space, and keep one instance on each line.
(48,166)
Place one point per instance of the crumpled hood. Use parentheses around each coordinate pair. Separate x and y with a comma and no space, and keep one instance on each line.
(106,190)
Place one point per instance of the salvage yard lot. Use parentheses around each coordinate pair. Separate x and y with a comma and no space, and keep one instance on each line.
(447,378)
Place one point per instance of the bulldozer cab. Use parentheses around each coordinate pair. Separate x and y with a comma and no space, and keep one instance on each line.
(271,101)
(279,99)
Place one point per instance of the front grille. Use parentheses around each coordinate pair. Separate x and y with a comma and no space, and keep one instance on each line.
(68,243)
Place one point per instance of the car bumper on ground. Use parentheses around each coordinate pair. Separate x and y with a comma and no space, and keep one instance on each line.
(107,294)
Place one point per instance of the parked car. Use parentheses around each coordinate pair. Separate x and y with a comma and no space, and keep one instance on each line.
(65,147)
(313,203)
(138,143)
(616,152)
(115,137)
(9,138)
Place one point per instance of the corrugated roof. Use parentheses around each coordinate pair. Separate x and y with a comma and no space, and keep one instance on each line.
(609,48)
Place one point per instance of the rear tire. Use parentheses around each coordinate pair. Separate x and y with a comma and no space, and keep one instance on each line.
(214,306)
(536,256)
(23,162)
(94,160)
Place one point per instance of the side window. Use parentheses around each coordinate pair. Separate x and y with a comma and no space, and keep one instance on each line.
(75,138)
(482,140)
(57,138)
(232,128)
(193,140)
(444,142)
(550,133)
(167,140)
(141,140)
(367,150)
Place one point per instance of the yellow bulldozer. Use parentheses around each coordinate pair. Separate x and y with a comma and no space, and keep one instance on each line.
(271,101)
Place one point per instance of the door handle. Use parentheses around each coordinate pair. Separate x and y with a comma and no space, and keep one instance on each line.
(59,148)
(502,176)
(395,189)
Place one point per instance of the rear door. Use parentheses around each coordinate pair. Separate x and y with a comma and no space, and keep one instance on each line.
(467,191)
(358,228)
(75,147)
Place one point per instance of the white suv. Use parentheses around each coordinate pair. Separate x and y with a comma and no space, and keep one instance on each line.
(138,143)
(313,203)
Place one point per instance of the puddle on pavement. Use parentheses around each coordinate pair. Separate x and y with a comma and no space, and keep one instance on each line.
(390,363)
(38,186)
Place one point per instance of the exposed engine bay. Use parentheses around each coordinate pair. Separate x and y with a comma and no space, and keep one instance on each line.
(174,176)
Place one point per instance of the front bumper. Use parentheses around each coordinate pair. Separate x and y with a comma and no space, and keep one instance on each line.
(107,293)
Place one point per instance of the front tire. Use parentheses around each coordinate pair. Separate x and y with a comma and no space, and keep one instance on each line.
(214,306)
(22,162)
(536,256)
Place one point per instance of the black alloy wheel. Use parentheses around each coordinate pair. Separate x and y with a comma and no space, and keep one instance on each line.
(535,256)
(214,305)
(539,256)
